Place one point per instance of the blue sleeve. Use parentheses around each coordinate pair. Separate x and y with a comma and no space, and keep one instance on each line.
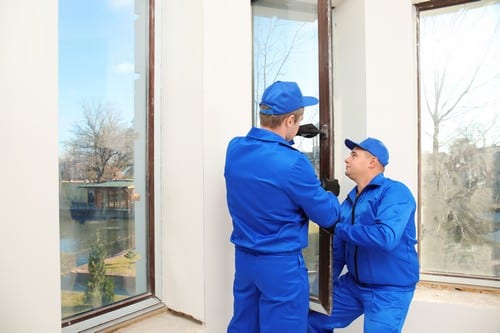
(395,209)
(320,206)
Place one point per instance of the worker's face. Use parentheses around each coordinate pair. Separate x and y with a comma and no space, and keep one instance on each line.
(358,163)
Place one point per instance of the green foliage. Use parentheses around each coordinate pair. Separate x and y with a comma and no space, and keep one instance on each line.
(100,288)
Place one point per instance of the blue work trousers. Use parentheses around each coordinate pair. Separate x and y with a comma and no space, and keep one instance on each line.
(384,308)
(271,293)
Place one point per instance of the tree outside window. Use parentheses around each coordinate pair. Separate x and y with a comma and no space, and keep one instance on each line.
(459,70)
(103,161)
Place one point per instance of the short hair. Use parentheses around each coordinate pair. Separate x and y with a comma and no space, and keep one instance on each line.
(273,121)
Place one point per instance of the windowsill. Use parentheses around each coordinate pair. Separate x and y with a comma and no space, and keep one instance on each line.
(428,292)
(161,320)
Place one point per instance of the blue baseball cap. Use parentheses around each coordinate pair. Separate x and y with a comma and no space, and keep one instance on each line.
(284,97)
(373,146)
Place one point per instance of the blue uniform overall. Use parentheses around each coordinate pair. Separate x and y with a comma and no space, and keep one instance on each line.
(272,192)
(375,239)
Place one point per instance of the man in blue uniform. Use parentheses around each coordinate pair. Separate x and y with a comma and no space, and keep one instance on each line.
(375,238)
(272,193)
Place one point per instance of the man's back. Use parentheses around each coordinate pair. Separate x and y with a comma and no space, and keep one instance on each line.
(258,170)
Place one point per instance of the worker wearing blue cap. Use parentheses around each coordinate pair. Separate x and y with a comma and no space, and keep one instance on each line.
(272,193)
(375,239)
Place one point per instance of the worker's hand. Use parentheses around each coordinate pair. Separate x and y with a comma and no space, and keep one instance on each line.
(331,185)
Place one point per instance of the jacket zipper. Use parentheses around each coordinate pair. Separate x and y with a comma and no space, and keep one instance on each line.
(356,272)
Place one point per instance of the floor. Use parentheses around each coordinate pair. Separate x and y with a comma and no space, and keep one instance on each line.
(166,321)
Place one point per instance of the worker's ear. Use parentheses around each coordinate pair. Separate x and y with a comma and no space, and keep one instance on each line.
(290,120)
(372,160)
(375,163)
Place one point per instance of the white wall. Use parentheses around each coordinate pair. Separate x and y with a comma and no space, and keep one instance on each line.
(349,75)
(203,99)
(29,239)
(206,100)
(375,83)
(227,113)
(182,161)
(391,99)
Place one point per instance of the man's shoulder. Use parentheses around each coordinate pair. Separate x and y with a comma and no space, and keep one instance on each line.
(394,183)
(397,189)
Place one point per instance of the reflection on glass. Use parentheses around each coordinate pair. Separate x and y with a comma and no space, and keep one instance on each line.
(102,158)
(285,43)
(460,155)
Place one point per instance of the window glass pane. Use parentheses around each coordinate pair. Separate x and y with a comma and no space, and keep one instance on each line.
(102,152)
(285,44)
(459,57)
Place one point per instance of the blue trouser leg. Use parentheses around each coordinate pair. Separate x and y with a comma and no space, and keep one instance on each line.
(271,294)
(345,309)
(284,300)
(246,298)
(384,309)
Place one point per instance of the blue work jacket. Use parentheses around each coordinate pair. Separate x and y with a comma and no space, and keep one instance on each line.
(376,235)
(272,192)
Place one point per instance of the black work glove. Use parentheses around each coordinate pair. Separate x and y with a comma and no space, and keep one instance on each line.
(331,185)
(308,131)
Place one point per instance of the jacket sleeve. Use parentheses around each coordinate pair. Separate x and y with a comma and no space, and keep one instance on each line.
(393,211)
(320,206)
